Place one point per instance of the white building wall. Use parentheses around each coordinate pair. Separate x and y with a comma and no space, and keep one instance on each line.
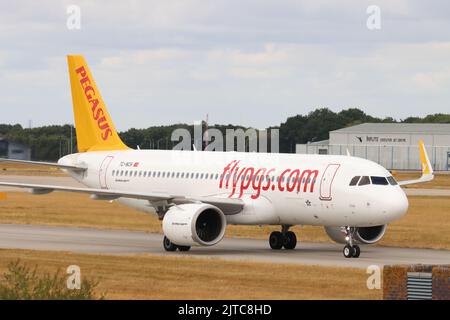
(400,157)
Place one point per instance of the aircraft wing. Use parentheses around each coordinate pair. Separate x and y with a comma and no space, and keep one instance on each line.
(228,206)
(427,170)
(48,164)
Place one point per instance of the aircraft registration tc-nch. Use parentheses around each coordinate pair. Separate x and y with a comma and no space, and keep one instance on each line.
(197,194)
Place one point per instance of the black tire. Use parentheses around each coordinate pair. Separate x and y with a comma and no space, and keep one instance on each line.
(168,245)
(276,240)
(348,251)
(290,240)
(356,251)
(184,248)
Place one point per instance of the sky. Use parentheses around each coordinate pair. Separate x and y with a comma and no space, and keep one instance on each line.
(252,63)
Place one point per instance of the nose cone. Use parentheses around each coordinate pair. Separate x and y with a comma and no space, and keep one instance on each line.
(397,204)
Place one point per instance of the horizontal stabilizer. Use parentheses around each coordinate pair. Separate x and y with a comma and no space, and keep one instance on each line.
(47,164)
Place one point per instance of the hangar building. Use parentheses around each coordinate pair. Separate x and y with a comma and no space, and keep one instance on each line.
(393,145)
(13,150)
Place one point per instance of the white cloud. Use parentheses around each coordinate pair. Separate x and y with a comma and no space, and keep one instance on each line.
(254,62)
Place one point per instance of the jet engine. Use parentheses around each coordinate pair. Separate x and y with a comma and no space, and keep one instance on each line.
(364,235)
(194,224)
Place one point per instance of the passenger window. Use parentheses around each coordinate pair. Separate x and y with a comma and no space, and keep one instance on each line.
(364,181)
(113,173)
(379,181)
(354,181)
(392,180)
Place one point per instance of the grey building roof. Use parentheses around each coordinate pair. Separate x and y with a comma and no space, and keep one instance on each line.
(319,143)
(430,128)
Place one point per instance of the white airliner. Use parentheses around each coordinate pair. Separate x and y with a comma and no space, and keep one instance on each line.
(197,193)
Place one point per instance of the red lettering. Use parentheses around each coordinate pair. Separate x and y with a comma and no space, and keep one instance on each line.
(87,94)
(94,103)
(280,187)
(98,114)
(236,180)
(307,176)
(246,178)
(267,186)
(290,185)
(106,134)
(102,126)
(259,176)
(81,71)
(246,182)
(228,166)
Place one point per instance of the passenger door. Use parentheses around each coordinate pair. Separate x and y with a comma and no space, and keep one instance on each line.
(103,170)
(327,181)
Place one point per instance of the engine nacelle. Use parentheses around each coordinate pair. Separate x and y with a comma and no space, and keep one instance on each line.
(194,224)
(364,235)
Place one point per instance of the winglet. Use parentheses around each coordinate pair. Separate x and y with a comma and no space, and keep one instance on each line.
(427,169)
(425,161)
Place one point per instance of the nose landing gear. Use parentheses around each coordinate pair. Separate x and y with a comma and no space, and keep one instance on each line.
(350,250)
(285,238)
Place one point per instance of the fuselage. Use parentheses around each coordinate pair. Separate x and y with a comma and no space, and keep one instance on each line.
(288,189)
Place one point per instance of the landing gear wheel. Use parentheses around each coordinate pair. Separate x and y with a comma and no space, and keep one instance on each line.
(168,245)
(184,248)
(348,251)
(290,240)
(276,240)
(356,251)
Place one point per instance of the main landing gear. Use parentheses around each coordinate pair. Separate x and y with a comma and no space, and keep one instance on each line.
(170,246)
(350,250)
(285,238)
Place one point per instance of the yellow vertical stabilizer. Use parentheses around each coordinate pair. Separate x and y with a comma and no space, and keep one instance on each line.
(94,127)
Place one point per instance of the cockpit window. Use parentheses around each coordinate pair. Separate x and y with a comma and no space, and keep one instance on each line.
(364,181)
(379,180)
(354,181)
(392,180)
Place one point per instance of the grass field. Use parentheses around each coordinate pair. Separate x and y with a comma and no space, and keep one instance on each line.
(157,277)
(426,225)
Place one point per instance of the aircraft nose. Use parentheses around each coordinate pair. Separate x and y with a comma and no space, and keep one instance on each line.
(398,204)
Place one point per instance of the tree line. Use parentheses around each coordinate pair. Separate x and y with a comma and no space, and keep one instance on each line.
(51,142)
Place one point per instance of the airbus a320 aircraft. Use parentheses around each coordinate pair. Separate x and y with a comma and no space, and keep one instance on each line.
(196,194)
